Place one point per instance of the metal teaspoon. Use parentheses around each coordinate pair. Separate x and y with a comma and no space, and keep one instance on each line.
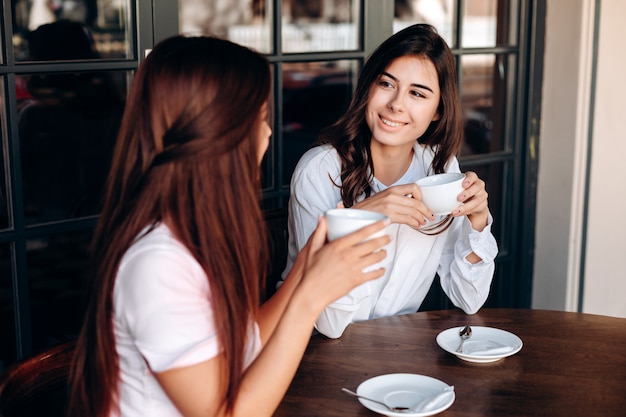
(465,333)
(396,409)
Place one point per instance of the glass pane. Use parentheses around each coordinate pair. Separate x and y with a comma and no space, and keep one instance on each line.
(58,280)
(494,175)
(7,320)
(439,13)
(4,139)
(61,30)
(246,22)
(67,129)
(315,94)
(489,23)
(320,25)
(484,100)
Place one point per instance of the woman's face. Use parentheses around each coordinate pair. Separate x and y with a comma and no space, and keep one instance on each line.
(264,132)
(403,102)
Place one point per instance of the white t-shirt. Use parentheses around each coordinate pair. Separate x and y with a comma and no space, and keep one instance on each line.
(163,320)
(412,259)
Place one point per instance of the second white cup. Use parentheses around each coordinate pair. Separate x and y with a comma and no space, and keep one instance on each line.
(440,191)
(343,221)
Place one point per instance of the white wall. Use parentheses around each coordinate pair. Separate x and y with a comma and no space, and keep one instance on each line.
(605,269)
(563,154)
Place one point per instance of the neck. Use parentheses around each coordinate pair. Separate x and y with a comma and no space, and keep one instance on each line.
(390,163)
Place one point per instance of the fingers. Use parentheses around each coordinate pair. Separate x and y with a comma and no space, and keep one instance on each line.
(313,244)
(402,204)
(472,186)
(470,177)
(421,214)
(356,246)
(372,258)
(474,196)
(339,266)
(318,237)
(359,250)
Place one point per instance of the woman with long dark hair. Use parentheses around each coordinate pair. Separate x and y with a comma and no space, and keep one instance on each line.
(404,123)
(174,325)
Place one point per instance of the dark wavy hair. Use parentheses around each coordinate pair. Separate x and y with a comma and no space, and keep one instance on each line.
(187,152)
(350,134)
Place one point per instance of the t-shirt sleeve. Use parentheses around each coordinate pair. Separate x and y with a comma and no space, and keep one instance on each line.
(163,298)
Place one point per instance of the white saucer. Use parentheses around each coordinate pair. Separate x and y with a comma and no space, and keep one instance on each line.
(487,344)
(402,390)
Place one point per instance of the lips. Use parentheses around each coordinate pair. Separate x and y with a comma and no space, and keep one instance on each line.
(391,123)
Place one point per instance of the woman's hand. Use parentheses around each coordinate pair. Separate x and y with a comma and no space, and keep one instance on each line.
(396,203)
(333,269)
(474,198)
(393,202)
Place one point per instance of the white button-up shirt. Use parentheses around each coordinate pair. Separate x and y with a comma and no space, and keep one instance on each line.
(412,259)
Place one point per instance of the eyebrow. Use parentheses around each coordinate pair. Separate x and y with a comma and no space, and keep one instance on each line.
(425,87)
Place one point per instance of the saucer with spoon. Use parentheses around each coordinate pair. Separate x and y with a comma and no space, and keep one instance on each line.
(479,344)
(404,395)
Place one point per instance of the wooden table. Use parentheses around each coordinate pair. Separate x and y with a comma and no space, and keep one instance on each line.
(571,364)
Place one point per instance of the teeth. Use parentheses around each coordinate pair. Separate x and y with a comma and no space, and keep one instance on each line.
(390,123)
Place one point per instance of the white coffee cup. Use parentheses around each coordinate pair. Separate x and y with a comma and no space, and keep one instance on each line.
(343,221)
(440,191)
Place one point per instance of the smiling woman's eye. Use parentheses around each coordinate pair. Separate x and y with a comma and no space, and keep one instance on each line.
(417,93)
(384,83)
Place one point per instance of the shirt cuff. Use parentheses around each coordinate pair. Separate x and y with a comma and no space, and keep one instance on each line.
(482,243)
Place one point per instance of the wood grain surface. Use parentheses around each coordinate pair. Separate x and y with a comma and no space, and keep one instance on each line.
(571,364)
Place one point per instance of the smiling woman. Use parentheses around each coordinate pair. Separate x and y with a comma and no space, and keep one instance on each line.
(401,107)
(403,124)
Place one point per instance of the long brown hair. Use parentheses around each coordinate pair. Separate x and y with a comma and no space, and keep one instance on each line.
(187,152)
(351,136)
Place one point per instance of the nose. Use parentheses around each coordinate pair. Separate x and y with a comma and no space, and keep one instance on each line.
(396,104)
